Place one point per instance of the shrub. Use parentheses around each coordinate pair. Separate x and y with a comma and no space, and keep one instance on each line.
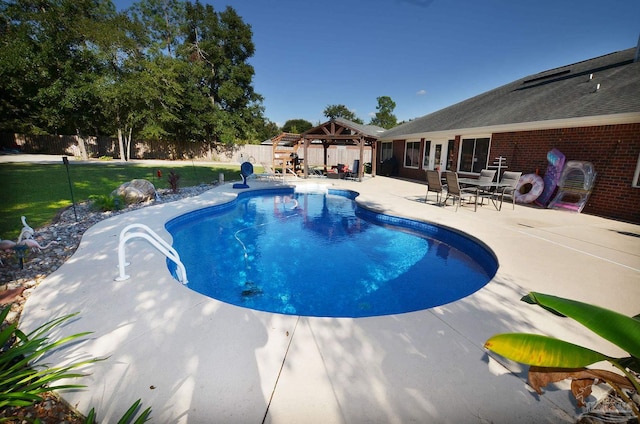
(22,383)
(173,179)
(106,203)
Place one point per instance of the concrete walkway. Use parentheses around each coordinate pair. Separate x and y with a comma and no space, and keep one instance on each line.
(198,360)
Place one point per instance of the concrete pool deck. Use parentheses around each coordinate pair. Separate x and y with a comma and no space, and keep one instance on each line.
(194,359)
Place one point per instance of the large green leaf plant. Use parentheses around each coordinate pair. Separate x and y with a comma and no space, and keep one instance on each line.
(23,380)
(552,360)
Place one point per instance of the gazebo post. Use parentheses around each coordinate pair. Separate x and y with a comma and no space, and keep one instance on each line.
(374,158)
(361,161)
(325,147)
(306,158)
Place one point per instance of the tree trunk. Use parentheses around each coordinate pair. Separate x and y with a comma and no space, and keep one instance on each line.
(82,146)
(128,150)
(123,156)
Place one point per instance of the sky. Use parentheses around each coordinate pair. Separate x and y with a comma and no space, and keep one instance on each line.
(423,54)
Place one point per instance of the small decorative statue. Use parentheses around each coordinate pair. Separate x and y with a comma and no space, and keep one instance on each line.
(25,240)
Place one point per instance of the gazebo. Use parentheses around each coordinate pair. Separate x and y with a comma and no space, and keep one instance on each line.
(342,132)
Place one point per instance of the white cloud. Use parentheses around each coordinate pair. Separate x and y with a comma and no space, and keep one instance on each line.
(421,92)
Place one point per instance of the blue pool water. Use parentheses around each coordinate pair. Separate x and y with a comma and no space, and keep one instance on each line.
(321,255)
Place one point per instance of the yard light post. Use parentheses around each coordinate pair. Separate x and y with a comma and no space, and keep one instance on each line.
(65,160)
(21,253)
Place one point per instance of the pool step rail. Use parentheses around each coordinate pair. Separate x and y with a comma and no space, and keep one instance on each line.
(156,241)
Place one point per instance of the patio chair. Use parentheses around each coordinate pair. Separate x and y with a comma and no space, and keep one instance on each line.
(434,184)
(268,174)
(486,175)
(316,171)
(454,191)
(352,174)
(511,178)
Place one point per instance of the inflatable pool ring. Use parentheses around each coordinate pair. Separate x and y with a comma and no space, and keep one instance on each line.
(537,186)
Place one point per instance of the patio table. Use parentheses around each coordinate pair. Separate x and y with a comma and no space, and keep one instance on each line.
(477,183)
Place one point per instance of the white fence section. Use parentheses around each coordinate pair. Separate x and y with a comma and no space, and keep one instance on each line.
(156,241)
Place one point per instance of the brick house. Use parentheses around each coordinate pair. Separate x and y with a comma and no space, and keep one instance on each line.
(589,110)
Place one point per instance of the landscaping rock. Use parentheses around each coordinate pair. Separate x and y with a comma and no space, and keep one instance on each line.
(136,191)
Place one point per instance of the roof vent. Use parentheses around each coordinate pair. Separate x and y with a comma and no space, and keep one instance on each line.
(597,88)
(590,77)
(637,57)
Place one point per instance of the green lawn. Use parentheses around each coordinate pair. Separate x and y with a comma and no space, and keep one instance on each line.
(39,191)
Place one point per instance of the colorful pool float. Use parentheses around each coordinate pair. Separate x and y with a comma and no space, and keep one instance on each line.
(529,188)
(556,163)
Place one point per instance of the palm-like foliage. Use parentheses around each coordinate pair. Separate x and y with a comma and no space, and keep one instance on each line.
(23,379)
(127,417)
(554,360)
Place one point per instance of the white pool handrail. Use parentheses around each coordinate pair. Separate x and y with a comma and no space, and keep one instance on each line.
(156,241)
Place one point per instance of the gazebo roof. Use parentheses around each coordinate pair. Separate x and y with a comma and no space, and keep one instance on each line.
(343,131)
(284,139)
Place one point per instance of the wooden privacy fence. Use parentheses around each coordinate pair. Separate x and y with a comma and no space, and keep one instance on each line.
(171,150)
(97,147)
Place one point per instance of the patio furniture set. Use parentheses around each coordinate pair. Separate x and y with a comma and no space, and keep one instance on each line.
(483,187)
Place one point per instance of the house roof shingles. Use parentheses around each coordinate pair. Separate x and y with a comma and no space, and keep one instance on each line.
(561,93)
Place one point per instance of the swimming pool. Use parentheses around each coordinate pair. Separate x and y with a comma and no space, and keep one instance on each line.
(312,254)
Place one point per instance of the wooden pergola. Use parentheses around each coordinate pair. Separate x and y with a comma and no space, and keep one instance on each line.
(283,146)
(343,132)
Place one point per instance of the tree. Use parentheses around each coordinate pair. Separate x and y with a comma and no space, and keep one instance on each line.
(384,116)
(51,90)
(341,111)
(296,126)
(122,95)
(217,47)
(163,69)
(266,131)
(163,20)
(18,64)
(64,68)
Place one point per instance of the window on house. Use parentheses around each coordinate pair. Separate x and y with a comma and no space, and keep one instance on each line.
(412,154)
(636,176)
(450,147)
(474,153)
(386,151)
(427,152)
